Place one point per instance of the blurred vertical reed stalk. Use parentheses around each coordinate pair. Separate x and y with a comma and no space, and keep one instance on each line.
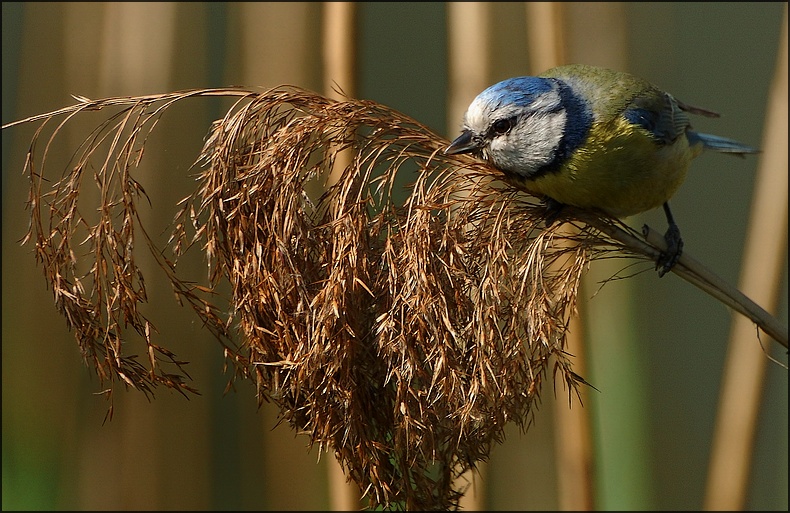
(134,59)
(742,388)
(138,50)
(621,477)
(279,43)
(469,72)
(339,54)
(573,440)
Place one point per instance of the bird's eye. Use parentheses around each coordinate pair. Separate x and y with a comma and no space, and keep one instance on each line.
(502,126)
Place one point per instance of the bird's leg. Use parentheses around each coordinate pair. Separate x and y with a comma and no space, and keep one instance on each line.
(670,257)
(553,209)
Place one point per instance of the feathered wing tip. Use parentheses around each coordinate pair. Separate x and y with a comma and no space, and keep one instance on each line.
(721,144)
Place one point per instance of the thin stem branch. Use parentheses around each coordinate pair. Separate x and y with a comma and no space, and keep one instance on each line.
(693,271)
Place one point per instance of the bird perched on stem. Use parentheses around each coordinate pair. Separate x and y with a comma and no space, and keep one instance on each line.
(592,138)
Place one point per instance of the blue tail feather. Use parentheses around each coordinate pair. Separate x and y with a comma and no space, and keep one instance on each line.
(721,144)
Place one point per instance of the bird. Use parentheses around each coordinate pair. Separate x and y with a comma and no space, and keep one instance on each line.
(593,138)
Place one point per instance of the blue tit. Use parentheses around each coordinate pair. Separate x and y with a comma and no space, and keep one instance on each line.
(592,138)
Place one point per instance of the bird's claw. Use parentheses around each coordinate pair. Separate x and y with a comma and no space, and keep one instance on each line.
(667,260)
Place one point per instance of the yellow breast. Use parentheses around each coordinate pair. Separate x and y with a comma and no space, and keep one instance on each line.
(620,169)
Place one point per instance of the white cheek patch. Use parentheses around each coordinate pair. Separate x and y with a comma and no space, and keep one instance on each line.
(534,140)
(529,145)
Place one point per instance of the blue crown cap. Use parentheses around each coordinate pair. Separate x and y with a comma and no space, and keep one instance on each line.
(520,91)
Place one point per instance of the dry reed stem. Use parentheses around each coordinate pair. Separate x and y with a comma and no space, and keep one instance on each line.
(401,333)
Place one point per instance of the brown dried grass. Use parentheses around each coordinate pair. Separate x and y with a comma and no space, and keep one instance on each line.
(403,334)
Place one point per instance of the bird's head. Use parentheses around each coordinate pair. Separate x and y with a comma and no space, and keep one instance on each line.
(523,125)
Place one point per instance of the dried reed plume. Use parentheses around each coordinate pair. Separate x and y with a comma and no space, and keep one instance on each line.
(401,333)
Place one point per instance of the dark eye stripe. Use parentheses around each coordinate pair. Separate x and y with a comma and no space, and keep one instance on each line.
(577,127)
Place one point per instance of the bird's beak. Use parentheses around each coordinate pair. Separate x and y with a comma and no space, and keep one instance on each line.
(462,144)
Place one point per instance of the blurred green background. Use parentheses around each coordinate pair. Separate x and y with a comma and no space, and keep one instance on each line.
(655,348)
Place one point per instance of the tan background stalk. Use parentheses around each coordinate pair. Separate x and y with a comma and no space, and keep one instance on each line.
(743,384)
